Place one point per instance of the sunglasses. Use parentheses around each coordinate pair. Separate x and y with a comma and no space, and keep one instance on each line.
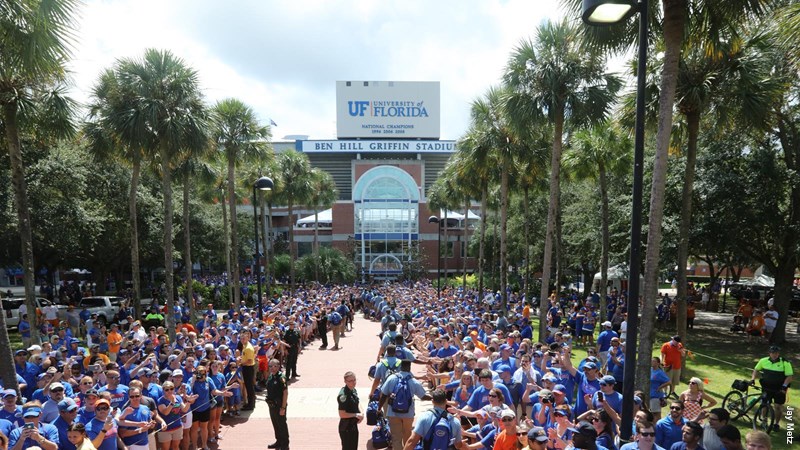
(508,419)
(135,396)
(648,434)
(103,408)
(522,433)
(168,389)
(88,383)
(492,396)
(692,382)
(675,408)
(57,390)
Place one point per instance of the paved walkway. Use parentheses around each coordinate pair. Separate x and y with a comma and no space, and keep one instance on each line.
(312,412)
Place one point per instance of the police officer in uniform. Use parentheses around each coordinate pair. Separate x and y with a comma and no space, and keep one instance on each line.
(277,396)
(349,413)
(292,339)
(776,374)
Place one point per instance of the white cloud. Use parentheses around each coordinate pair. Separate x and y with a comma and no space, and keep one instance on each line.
(283,58)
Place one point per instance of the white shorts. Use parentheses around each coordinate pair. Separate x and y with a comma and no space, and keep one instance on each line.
(138,447)
(187,420)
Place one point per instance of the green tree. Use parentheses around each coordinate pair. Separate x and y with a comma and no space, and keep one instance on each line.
(34,38)
(294,188)
(240,137)
(556,78)
(168,116)
(323,195)
(597,153)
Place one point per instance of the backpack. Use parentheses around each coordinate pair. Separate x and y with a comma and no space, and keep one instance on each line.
(401,397)
(335,318)
(381,436)
(439,435)
(373,409)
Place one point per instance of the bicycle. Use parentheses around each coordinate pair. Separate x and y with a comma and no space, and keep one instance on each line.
(739,402)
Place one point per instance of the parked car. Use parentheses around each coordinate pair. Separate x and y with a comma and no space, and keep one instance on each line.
(106,307)
(11,307)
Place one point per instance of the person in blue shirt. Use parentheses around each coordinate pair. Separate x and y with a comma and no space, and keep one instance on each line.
(446,350)
(480,396)
(587,380)
(669,430)
(400,423)
(26,370)
(426,422)
(505,358)
(24,328)
(611,400)
(616,362)
(11,411)
(659,380)
(142,419)
(67,413)
(604,342)
(645,438)
(691,437)
(103,429)
(41,435)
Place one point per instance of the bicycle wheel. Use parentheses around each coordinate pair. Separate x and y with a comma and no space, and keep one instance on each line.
(734,403)
(764,418)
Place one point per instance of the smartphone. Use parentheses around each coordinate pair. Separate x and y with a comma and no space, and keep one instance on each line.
(600,397)
(28,426)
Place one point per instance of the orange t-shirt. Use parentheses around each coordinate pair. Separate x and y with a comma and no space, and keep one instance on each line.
(526,312)
(672,355)
(114,342)
(505,441)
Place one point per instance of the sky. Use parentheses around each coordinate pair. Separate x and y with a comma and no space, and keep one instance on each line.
(283,58)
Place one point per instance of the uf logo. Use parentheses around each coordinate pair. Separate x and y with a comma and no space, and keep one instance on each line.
(357,108)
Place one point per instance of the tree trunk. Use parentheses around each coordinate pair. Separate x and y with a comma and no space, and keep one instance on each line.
(234,274)
(166,181)
(466,245)
(603,291)
(482,243)
(675,12)
(784,277)
(226,235)
(503,240)
(292,250)
(316,248)
(552,212)
(187,243)
(134,219)
(559,254)
(527,279)
(693,125)
(23,212)
(8,374)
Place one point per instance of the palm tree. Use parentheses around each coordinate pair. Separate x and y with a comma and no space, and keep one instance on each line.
(238,134)
(323,195)
(192,167)
(294,188)
(109,138)
(35,43)
(597,153)
(167,116)
(557,78)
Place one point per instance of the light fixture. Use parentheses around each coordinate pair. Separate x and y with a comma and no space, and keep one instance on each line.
(607,12)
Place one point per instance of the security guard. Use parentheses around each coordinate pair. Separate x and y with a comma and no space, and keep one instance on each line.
(349,413)
(776,374)
(277,396)
(292,339)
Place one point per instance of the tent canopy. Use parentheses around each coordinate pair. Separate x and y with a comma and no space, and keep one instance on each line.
(456,216)
(760,281)
(618,272)
(323,217)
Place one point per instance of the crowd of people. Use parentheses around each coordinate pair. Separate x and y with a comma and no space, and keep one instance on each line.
(492,385)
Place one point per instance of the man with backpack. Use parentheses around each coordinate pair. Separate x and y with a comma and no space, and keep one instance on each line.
(335,319)
(399,391)
(385,367)
(436,429)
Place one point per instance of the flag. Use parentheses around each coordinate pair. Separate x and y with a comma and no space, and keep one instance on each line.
(272,122)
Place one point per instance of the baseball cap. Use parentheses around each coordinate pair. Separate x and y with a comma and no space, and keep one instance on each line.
(590,365)
(504,368)
(607,324)
(91,392)
(505,347)
(56,385)
(586,429)
(102,401)
(676,338)
(8,393)
(774,348)
(507,413)
(177,373)
(608,379)
(37,348)
(21,352)
(560,388)
(67,404)
(32,411)
(538,434)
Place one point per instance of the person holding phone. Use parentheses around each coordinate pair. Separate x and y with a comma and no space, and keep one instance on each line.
(33,433)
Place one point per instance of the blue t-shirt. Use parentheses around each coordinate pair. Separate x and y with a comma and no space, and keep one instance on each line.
(668,432)
(585,386)
(203,392)
(173,419)
(414,386)
(93,429)
(15,417)
(119,396)
(62,425)
(140,414)
(48,431)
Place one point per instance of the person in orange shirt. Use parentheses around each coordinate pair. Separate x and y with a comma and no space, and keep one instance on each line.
(672,353)
(114,342)
(526,311)
(690,313)
(746,311)
(756,326)
(507,439)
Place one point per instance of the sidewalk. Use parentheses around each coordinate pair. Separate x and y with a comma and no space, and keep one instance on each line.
(313,410)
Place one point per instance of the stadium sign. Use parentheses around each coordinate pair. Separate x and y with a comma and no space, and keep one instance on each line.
(368,146)
(387,109)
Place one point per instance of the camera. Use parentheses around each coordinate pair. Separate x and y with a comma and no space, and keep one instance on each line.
(600,397)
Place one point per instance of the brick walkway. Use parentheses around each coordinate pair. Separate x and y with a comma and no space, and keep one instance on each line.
(312,412)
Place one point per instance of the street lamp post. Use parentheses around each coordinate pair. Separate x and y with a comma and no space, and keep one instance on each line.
(609,12)
(262,184)
(434,219)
